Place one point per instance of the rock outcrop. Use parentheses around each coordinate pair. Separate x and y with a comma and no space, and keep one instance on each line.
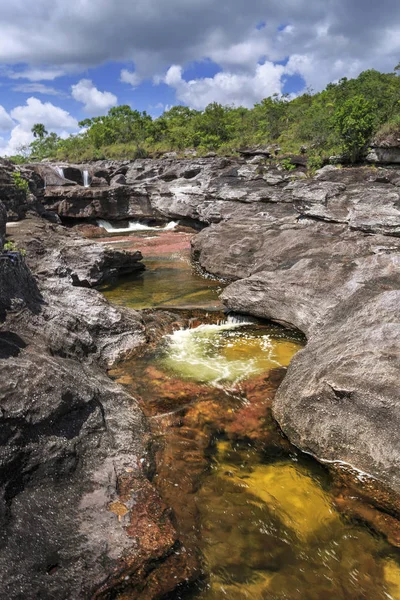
(328,271)
(386,149)
(202,190)
(319,254)
(78,514)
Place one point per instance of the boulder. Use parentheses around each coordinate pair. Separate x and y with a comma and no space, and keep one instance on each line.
(119,179)
(55,175)
(384,155)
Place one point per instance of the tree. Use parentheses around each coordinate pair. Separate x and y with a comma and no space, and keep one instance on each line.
(355,121)
(39,131)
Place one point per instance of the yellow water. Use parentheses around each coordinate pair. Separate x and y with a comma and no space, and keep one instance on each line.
(270,531)
(226,353)
(167,281)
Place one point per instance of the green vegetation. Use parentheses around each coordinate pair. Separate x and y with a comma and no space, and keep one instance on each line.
(287,164)
(20,182)
(10,246)
(340,120)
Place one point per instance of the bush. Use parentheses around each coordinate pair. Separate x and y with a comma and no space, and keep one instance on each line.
(20,182)
(355,121)
(287,165)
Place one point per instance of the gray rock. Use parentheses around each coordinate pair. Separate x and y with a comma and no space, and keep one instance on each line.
(339,399)
(3,221)
(384,155)
(69,435)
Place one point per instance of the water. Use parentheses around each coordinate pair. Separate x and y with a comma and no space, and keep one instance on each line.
(134,226)
(225,354)
(59,170)
(86,178)
(257,519)
(167,281)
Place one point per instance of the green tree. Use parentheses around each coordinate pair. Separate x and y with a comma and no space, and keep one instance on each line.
(355,121)
(39,131)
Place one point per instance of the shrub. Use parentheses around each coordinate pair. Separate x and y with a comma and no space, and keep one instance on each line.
(354,121)
(287,165)
(19,182)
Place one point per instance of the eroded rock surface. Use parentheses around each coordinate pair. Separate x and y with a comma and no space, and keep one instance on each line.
(78,514)
(312,253)
(331,273)
(318,254)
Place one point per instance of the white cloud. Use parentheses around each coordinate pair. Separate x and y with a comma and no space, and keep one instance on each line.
(240,89)
(130,77)
(34,111)
(6,122)
(95,102)
(37,88)
(35,74)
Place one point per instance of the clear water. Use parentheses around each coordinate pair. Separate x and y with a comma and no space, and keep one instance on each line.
(167,281)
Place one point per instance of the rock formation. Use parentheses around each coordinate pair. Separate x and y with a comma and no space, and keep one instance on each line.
(77,511)
(320,254)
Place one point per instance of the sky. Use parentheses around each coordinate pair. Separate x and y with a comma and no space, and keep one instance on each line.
(62,61)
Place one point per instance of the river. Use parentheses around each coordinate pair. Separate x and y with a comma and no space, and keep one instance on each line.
(256,518)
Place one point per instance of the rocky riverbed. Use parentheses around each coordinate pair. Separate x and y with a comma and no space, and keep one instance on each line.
(318,254)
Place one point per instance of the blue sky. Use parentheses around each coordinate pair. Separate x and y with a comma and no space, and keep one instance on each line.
(61,62)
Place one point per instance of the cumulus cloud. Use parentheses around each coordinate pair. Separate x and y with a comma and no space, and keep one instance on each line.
(154,34)
(6,122)
(34,111)
(130,77)
(95,102)
(240,89)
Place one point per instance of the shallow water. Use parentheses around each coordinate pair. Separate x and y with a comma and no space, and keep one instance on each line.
(255,517)
(167,281)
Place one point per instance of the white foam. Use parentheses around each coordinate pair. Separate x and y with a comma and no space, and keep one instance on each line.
(134,226)
(196,353)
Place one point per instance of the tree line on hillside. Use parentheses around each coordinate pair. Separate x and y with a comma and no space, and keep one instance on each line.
(340,120)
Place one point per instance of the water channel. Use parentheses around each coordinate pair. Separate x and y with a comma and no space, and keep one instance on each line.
(256,517)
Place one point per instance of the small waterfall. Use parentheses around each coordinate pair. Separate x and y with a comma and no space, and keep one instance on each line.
(236,319)
(134,226)
(60,171)
(86,178)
